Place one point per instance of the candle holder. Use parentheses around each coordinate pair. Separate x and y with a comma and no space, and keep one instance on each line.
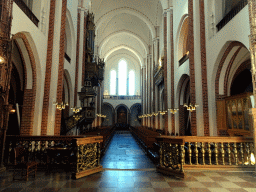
(191,107)
(173,111)
(61,106)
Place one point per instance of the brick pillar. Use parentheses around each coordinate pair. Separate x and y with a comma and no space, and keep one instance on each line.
(165,76)
(192,65)
(48,69)
(172,70)
(204,69)
(84,49)
(77,54)
(61,67)
(182,120)
(143,95)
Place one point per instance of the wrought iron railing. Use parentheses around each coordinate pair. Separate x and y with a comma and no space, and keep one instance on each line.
(122,97)
(179,153)
(27,11)
(232,14)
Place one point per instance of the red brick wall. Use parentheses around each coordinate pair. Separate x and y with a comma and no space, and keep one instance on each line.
(29,98)
(182,120)
(48,69)
(204,70)
(61,67)
(77,55)
(192,65)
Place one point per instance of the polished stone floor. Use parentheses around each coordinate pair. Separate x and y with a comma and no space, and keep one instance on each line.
(124,153)
(127,169)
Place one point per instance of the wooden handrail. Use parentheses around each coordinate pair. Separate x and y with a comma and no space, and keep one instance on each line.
(206,139)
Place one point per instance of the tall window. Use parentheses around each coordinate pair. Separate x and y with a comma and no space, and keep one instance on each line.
(122,78)
(113,82)
(131,83)
(119,83)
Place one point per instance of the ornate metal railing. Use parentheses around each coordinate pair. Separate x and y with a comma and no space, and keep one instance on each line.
(87,152)
(27,11)
(122,97)
(232,14)
(84,151)
(179,153)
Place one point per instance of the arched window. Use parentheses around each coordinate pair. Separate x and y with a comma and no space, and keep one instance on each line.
(131,83)
(113,82)
(122,78)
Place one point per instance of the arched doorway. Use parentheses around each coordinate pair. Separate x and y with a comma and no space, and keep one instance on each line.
(108,110)
(233,87)
(135,113)
(16,95)
(184,98)
(242,82)
(122,117)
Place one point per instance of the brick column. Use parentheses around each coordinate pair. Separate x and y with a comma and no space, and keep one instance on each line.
(192,65)
(204,69)
(61,67)
(149,88)
(165,75)
(77,54)
(84,49)
(48,70)
(143,95)
(172,69)
(155,90)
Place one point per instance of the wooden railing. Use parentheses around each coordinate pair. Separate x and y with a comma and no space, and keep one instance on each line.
(106,132)
(27,11)
(84,151)
(179,153)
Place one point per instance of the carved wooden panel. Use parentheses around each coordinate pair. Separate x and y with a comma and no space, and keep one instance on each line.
(238,120)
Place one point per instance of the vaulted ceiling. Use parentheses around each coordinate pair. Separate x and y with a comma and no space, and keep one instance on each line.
(126,27)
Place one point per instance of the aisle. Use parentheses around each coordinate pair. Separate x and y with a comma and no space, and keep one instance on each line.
(124,153)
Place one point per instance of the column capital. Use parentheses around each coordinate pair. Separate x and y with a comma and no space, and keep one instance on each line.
(156,39)
(165,13)
(82,9)
(170,10)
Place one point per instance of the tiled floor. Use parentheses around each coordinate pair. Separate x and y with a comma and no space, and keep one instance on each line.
(126,181)
(124,153)
(138,179)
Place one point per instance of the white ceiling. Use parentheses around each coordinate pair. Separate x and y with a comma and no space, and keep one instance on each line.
(125,28)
